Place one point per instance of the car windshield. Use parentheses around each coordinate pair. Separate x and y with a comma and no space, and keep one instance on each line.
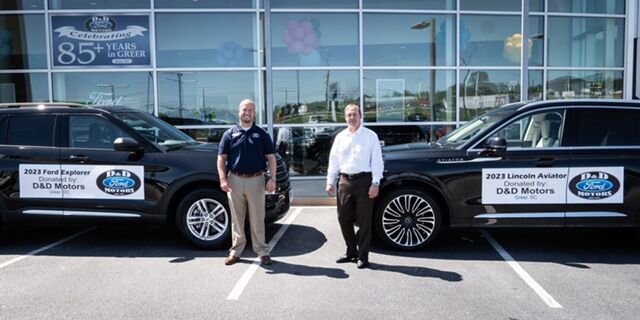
(155,130)
(476,126)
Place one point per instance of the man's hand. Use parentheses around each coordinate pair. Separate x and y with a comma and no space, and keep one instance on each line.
(330,190)
(224,185)
(271,185)
(373,191)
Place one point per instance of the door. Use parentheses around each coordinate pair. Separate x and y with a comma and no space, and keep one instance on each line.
(102,182)
(604,181)
(525,186)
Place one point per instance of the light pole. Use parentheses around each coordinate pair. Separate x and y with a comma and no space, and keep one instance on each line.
(179,75)
(432,95)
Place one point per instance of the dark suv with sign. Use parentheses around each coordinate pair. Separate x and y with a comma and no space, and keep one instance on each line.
(71,163)
(542,164)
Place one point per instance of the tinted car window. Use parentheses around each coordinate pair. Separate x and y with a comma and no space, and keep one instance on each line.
(3,130)
(92,132)
(536,130)
(31,130)
(601,127)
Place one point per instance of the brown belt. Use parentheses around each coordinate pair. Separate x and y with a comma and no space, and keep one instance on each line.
(354,176)
(247,175)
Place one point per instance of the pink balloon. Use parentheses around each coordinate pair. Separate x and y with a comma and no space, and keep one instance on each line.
(286,38)
(298,34)
(306,25)
(297,47)
(309,39)
(316,43)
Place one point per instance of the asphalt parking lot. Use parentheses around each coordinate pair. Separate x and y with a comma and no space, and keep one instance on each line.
(137,272)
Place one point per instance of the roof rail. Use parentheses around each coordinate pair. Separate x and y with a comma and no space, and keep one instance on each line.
(17,105)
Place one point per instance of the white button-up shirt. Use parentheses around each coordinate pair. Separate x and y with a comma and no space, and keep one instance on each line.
(355,152)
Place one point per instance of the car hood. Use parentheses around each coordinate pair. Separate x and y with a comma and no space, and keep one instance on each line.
(418,150)
(200,147)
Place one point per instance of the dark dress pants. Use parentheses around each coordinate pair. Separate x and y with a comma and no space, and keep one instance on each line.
(354,206)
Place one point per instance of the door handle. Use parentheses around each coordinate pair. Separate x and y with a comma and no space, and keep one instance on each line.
(545,162)
(79,158)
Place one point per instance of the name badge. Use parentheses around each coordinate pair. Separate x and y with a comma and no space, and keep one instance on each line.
(233,135)
(255,135)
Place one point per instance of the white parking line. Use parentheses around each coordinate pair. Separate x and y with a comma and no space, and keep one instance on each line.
(35,252)
(246,277)
(543,294)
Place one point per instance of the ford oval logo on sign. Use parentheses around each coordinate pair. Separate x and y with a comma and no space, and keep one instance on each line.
(118,182)
(594,185)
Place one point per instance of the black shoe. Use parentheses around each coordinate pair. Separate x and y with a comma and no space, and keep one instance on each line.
(346,258)
(363,264)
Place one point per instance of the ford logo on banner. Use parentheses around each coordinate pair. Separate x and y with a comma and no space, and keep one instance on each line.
(594,185)
(118,182)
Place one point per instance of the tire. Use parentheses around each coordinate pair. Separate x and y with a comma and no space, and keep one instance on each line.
(407,219)
(204,230)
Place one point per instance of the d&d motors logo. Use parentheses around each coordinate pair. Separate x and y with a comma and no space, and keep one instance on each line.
(118,182)
(594,185)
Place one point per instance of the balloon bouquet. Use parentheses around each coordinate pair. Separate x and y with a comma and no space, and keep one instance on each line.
(303,38)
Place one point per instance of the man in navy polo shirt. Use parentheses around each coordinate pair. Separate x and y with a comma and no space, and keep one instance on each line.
(241,166)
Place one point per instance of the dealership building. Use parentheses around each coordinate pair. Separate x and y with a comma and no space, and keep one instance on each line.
(417,68)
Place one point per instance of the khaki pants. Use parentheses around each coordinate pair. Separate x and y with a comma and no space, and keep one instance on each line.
(247,196)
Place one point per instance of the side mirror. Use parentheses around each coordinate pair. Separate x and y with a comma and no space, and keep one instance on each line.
(495,146)
(127,144)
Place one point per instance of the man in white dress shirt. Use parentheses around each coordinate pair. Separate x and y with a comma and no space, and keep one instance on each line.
(356,162)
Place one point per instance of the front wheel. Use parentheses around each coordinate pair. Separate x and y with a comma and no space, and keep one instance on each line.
(203,218)
(408,219)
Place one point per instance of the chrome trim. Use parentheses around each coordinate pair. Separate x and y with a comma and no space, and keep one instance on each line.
(596,214)
(469,161)
(82,213)
(520,215)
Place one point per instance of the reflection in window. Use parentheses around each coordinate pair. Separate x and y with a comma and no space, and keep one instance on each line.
(584,84)
(410,4)
(314,39)
(230,40)
(204,98)
(93,132)
(586,42)
(538,130)
(24,87)
(491,5)
(483,90)
(22,42)
(536,5)
(204,4)
(536,41)
(409,40)
(406,96)
(99,4)
(313,97)
(587,6)
(601,127)
(27,130)
(313,4)
(22,5)
(490,40)
(535,85)
(129,89)
(213,135)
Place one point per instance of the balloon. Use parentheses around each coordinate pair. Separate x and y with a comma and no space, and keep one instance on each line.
(231,54)
(302,36)
(309,40)
(286,38)
(297,47)
(313,59)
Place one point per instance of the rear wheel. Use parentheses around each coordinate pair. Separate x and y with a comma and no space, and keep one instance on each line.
(408,219)
(204,218)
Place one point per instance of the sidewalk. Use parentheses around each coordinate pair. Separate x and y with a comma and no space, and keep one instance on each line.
(310,192)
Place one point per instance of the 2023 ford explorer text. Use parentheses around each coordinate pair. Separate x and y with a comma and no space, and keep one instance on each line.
(569,163)
(71,163)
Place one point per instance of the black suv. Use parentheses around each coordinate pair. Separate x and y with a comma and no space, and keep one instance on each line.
(72,163)
(542,164)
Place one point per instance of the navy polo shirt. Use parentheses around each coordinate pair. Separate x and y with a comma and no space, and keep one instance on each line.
(246,149)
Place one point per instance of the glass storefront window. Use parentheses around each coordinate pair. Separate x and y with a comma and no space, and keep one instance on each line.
(230,39)
(410,4)
(536,5)
(587,6)
(409,40)
(314,4)
(536,41)
(24,87)
(584,84)
(490,40)
(535,85)
(99,4)
(22,41)
(586,42)
(204,98)
(314,39)
(406,96)
(129,89)
(313,97)
(491,5)
(22,5)
(484,90)
(215,4)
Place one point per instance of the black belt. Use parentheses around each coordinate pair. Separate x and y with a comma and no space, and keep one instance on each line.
(354,176)
(247,175)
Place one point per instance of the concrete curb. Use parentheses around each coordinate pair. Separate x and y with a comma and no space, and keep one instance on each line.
(313,201)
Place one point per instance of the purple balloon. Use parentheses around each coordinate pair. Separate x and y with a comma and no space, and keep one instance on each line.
(297,47)
(306,26)
(292,25)
(316,43)
(287,39)
(309,39)
(298,34)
